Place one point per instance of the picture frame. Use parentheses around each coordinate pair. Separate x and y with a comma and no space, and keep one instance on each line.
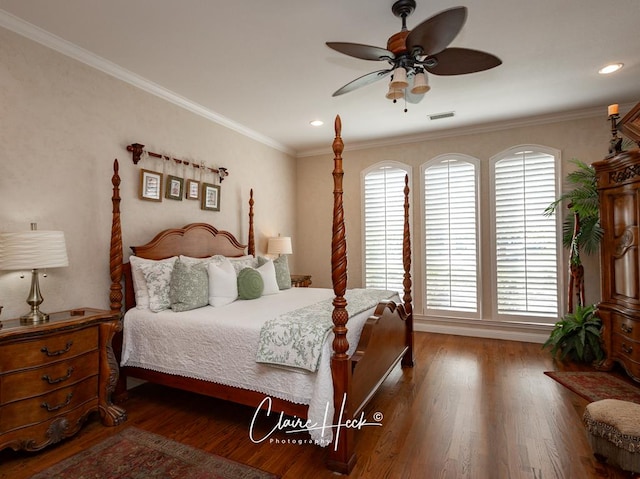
(150,185)
(192,191)
(174,188)
(210,197)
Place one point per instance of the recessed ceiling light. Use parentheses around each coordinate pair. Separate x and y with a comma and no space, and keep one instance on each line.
(316,123)
(613,67)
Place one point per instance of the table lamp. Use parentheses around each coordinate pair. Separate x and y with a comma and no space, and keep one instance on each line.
(279,245)
(33,250)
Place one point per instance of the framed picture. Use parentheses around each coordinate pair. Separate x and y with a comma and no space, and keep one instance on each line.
(192,190)
(174,188)
(210,197)
(150,185)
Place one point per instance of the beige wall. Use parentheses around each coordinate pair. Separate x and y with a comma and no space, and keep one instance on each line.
(62,125)
(584,139)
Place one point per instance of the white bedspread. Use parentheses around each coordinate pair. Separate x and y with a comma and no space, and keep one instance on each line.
(220,344)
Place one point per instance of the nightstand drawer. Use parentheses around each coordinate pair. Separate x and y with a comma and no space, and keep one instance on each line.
(37,381)
(42,408)
(55,347)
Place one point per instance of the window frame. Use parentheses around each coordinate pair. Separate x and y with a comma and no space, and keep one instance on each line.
(447,313)
(363,173)
(526,318)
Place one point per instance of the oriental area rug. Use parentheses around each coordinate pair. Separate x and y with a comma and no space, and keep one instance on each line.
(137,454)
(594,386)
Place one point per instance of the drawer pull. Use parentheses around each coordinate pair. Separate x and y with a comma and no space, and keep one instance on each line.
(59,406)
(627,329)
(627,349)
(58,380)
(46,351)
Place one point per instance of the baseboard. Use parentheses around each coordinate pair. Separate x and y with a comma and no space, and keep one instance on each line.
(526,332)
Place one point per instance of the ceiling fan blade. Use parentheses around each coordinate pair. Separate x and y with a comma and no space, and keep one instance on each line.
(436,33)
(364,52)
(362,81)
(460,61)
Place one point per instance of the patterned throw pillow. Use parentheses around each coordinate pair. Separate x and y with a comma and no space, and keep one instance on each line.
(241,262)
(216,259)
(139,283)
(189,288)
(250,284)
(158,277)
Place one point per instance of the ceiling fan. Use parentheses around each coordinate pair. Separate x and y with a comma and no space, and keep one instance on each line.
(413,53)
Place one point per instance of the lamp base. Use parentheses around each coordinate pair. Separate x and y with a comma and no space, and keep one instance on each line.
(34,300)
(34,316)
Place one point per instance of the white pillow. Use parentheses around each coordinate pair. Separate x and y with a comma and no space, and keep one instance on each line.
(139,283)
(158,278)
(223,283)
(268,273)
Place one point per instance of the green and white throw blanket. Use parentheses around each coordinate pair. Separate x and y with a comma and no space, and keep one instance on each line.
(295,338)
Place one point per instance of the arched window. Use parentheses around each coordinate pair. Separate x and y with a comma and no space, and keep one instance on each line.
(383,198)
(451,235)
(526,250)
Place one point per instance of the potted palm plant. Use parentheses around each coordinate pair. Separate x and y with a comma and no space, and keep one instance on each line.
(577,336)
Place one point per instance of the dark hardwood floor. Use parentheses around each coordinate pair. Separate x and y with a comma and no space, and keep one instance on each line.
(470,408)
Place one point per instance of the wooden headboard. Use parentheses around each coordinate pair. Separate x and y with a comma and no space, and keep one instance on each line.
(198,240)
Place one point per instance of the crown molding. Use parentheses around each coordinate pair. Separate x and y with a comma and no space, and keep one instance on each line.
(470,130)
(37,34)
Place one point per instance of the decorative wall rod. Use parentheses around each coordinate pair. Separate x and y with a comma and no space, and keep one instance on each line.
(136,150)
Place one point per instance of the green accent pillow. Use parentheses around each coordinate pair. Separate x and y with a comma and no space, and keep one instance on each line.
(189,287)
(250,284)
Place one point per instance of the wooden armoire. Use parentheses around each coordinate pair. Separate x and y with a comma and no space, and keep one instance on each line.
(618,179)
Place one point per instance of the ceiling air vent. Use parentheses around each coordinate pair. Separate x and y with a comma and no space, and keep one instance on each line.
(440,116)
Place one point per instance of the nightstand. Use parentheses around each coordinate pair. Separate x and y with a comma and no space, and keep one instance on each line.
(300,280)
(54,374)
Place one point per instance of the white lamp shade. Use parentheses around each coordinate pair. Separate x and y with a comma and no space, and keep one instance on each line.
(32,250)
(420,84)
(279,245)
(399,78)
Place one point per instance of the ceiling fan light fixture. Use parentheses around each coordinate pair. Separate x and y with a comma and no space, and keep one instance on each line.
(420,83)
(399,80)
(394,93)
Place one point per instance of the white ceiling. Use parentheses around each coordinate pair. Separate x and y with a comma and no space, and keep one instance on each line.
(262,66)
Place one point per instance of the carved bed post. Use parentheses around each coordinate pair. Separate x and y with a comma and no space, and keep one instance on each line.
(407,359)
(341,455)
(115,257)
(252,241)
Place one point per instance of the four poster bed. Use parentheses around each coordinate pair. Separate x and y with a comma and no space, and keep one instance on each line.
(356,357)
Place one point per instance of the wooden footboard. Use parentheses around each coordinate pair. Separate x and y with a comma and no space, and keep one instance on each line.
(384,336)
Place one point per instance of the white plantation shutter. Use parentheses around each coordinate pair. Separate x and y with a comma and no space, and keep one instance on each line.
(526,254)
(450,225)
(384,227)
